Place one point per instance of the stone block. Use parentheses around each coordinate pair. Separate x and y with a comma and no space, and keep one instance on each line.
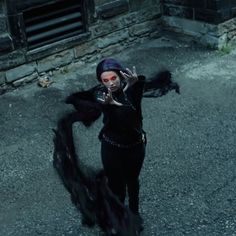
(25,80)
(100,2)
(132,18)
(135,4)
(178,2)
(231,35)
(227,26)
(112,9)
(143,28)
(225,14)
(20,71)
(215,4)
(3,89)
(203,4)
(146,14)
(2,78)
(113,38)
(222,41)
(86,48)
(212,29)
(214,42)
(54,61)
(190,27)
(30,78)
(233,11)
(180,11)
(212,16)
(50,49)
(1,8)
(149,13)
(110,50)
(3,25)
(198,4)
(12,59)
(5,43)
(106,27)
(209,40)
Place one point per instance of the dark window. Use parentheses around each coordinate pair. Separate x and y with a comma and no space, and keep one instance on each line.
(52,22)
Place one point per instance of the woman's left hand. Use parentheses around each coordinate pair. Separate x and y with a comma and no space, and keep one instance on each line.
(131,77)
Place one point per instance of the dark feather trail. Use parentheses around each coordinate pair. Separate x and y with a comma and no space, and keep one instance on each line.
(160,84)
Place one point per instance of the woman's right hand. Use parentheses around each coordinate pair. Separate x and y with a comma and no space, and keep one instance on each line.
(107,98)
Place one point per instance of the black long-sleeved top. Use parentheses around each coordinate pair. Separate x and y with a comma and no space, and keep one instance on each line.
(123,124)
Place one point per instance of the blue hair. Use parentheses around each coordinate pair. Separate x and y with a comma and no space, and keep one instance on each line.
(108,64)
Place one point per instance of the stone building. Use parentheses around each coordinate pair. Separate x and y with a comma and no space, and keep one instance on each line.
(39,36)
(211,22)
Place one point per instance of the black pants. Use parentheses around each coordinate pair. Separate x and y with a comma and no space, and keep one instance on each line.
(122,167)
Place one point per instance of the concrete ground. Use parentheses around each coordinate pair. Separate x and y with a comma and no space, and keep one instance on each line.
(188,181)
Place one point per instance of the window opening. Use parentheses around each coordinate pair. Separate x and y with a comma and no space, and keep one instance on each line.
(53,22)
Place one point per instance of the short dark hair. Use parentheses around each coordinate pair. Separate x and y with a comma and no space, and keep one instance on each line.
(108,64)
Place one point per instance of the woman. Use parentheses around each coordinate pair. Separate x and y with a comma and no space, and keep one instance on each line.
(122,137)
(122,145)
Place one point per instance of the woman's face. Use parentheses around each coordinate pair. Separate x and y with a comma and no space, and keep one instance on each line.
(111,80)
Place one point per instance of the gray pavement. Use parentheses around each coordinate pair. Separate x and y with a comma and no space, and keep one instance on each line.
(188,181)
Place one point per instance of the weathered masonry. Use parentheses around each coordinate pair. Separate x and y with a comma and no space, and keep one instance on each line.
(211,22)
(39,36)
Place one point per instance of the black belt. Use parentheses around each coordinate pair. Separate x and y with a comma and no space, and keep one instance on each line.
(112,142)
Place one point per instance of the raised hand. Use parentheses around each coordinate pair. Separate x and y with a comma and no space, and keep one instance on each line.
(107,98)
(131,77)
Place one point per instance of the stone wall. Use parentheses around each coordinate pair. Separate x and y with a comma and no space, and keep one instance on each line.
(113,26)
(5,40)
(214,36)
(210,11)
(211,22)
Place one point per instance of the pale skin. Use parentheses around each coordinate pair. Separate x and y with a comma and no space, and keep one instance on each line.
(112,82)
